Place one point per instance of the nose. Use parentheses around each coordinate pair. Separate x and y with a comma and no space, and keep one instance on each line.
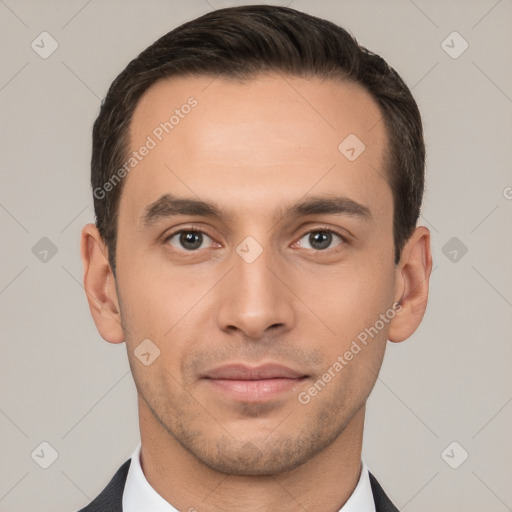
(254,301)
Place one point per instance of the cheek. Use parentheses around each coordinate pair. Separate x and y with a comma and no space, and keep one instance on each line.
(348,299)
(149,297)
(159,303)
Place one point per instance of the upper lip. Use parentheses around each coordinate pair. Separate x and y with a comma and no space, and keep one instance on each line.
(243,372)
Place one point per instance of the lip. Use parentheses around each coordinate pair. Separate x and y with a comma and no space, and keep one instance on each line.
(243,372)
(253,384)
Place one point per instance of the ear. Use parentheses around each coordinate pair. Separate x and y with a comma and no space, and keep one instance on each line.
(412,281)
(100,285)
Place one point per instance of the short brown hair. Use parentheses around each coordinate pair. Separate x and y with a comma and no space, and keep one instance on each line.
(239,43)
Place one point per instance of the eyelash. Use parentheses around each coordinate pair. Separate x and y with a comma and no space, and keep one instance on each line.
(322,229)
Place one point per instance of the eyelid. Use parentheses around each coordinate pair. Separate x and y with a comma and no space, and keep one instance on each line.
(186,229)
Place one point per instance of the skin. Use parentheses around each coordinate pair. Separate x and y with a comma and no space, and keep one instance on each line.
(255,148)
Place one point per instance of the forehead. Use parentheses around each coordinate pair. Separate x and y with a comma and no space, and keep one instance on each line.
(261,141)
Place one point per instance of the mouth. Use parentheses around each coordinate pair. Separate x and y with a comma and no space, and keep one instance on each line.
(253,384)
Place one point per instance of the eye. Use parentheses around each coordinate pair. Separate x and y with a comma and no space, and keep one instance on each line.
(320,239)
(189,239)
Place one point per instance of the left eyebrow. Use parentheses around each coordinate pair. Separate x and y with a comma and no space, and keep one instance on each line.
(329,205)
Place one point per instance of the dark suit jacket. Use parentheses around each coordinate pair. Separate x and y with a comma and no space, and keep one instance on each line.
(110,499)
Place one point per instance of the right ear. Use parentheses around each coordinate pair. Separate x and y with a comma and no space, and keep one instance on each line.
(100,286)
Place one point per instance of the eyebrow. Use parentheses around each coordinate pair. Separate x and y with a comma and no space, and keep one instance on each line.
(329,205)
(170,206)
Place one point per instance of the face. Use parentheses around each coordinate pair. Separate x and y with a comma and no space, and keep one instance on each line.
(253,254)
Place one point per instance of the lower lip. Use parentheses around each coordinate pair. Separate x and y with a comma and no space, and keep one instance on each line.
(254,390)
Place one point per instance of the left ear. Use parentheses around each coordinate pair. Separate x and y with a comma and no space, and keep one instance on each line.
(412,281)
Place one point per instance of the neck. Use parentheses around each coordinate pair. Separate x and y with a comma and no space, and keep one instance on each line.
(324,483)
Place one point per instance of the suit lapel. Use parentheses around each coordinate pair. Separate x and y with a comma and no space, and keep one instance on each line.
(111,498)
(382,502)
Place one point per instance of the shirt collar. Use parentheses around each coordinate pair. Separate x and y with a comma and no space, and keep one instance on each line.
(139,495)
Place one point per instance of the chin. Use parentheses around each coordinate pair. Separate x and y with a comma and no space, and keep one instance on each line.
(251,461)
(259,458)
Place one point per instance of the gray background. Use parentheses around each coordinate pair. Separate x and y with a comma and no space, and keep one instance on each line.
(451,381)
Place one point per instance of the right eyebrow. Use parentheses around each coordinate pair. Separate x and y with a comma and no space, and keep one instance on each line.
(169,205)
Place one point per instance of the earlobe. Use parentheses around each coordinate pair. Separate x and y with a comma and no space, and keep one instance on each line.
(412,284)
(99,284)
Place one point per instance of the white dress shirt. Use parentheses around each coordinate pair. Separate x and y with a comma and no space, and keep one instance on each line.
(139,495)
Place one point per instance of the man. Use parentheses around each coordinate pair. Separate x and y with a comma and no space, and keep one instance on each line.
(257,178)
